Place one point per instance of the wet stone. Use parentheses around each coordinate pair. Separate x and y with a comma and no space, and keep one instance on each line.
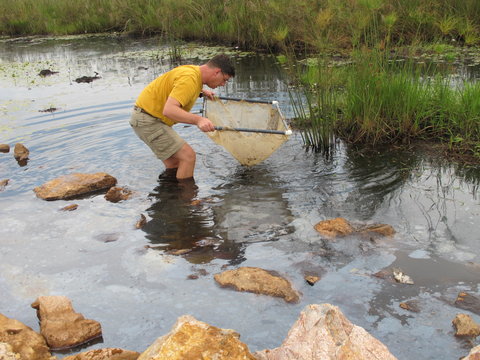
(411,305)
(47,72)
(465,326)
(311,280)
(117,194)
(258,281)
(3,184)
(50,110)
(61,326)
(334,227)
(87,79)
(141,222)
(468,302)
(71,207)
(74,185)
(4,148)
(20,152)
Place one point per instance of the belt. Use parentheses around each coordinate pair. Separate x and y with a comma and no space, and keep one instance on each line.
(135,107)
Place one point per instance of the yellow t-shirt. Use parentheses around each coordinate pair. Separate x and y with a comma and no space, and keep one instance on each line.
(183,83)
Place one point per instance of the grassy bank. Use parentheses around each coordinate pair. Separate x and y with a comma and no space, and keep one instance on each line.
(253,23)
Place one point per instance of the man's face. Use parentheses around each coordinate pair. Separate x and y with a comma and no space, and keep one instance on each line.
(219,79)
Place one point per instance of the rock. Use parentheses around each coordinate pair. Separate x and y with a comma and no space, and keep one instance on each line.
(193,339)
(311,280)
(3,183)
(23,340)
(6,352)
(323,332)
(116,194)
(20,152)
(4,148)
(105,354)
(334,227)
(474,354)
(258,281)
(61,326)
(141,222)
(380,229)
(401,277)
(468,302)
(47,72)
(465,326)
(74,185)
(70,207)
(87,79)
(411,305)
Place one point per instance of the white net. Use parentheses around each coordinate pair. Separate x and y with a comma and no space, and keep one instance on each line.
(249,148)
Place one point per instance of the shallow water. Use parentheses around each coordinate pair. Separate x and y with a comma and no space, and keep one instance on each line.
(261,216)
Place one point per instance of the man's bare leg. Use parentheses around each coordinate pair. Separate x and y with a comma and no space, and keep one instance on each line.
(184,161)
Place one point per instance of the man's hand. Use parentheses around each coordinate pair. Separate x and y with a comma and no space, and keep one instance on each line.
(205,124)
(209,94)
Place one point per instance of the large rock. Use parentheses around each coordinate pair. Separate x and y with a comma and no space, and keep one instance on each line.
(61,326)
(474,354)
(23,340)
(191,339)
(323,332)
(74,185)
(258,281)
(465,326)
(105,354)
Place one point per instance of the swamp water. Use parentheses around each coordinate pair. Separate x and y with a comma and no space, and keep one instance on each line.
(262,216)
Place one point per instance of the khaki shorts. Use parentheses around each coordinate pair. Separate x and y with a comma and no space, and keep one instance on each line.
(160,138)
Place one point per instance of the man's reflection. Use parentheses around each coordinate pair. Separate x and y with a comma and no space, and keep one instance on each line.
(183,224)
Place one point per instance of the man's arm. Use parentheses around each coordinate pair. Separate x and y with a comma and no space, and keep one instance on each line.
(173,110)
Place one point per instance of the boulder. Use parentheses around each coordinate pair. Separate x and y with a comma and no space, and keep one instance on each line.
(474,354)
(29,344)
(74,185)
(193,339)
(105,354)
(258,281)
(116,194)
(465,326)
(4,148)
(20,152)
(61,326)
(323,332)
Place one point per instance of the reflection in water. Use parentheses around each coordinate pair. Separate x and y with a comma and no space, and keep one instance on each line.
(181,221)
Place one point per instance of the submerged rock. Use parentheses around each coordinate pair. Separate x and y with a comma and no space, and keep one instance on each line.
(61,326)
(4,148)
(73,185)
(116,194)
(69,207)
(336,227)
(465,326)
(411,305)
(47,72)
(141,222)
(258,281)
(468,302)
(105,354)
(323,332)
(193,339)
(87,79)
(20,152)
(23,340)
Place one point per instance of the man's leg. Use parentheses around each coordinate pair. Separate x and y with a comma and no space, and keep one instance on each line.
(183,160)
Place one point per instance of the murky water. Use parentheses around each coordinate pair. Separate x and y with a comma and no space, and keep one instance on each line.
(261,216)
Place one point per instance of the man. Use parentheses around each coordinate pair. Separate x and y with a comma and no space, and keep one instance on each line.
(167,100)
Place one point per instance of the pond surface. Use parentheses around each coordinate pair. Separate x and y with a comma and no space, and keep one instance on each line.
(262,216)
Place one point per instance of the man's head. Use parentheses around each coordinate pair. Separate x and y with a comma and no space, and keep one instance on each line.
(220,70)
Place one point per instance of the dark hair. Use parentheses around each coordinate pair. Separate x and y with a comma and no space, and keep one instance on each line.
(224,63)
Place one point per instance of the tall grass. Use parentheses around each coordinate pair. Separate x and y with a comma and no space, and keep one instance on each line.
(315,24)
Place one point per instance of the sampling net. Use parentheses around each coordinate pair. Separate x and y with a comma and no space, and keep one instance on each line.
(248,146)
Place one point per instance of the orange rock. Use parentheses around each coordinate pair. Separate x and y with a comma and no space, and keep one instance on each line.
(465,326)
(105,354)
(334,227)
(258,281)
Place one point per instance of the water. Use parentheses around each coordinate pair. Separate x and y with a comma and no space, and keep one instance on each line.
(262,216)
